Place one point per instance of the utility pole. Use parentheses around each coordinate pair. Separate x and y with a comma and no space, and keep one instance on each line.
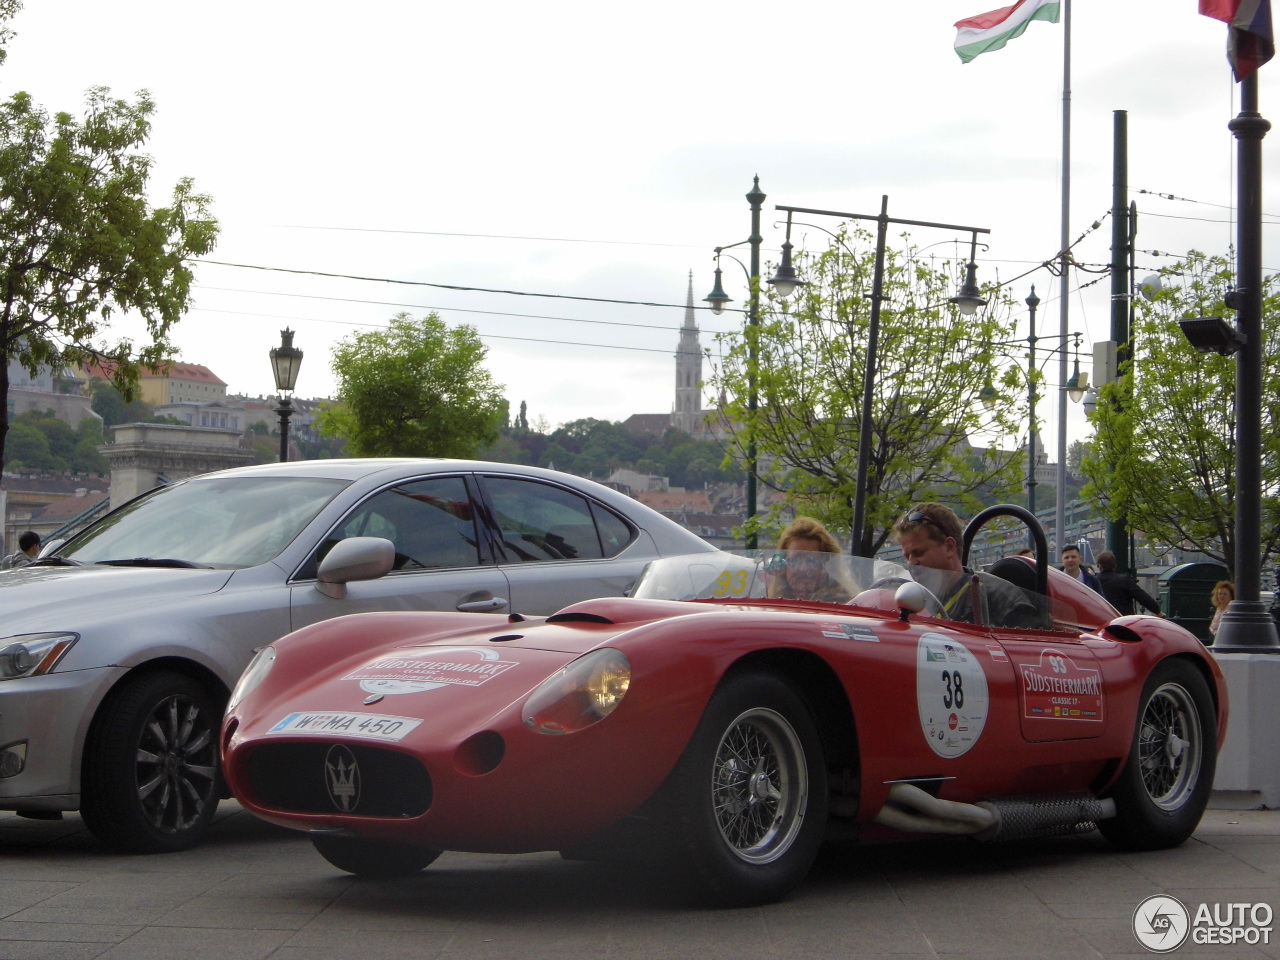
(1117,535)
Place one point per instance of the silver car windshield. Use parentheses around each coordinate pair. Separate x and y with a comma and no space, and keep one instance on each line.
(836,578)
(221,522)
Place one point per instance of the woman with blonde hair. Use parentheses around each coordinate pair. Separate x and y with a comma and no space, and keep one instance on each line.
(1224,591)
(806,572)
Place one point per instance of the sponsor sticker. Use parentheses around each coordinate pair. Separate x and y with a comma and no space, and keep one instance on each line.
(849,631)
(951,694)
(430,669)
(365,726)
(997,652)
(1056,687)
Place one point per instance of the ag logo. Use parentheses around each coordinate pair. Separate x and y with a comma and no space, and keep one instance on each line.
(1161,923)
(342,778)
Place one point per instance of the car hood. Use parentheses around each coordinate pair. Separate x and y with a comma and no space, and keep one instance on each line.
(46,598)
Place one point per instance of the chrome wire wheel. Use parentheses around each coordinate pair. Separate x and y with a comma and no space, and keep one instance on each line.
(1170,746)
(176,763)
(759,785)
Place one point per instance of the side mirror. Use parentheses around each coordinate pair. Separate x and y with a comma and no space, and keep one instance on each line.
(356,558)
(911,597)
(48,548)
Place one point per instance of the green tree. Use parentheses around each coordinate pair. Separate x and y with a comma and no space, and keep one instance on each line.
(1075,458)
(78,240)
(418,388)
(932,363)
(109,403)
(1164,451)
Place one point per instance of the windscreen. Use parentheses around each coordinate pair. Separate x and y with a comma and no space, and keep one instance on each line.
(807,575)
(219,521)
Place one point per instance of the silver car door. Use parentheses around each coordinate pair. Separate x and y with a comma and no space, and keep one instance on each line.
(438,564)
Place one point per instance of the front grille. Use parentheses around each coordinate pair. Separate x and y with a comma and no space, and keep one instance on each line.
(353,779)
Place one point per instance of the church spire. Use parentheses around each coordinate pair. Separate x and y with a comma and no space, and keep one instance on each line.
(690,322)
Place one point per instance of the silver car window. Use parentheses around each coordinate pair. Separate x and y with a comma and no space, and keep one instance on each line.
(430,522)
(542,522)
(222,521)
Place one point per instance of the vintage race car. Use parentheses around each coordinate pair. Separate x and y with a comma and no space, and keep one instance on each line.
(714,724)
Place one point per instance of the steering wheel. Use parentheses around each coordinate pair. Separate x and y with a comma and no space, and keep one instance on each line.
(1032,524)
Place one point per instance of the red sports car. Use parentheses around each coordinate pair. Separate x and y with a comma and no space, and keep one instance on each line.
(713,724)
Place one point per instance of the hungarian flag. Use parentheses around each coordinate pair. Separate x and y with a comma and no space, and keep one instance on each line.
(991,31)
(1250,42)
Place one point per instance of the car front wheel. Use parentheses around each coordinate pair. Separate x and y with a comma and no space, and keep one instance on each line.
(750,793)
(150,771)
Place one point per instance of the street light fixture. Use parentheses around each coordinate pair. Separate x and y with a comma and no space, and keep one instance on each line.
(286,359)
(967,299)
(785,281)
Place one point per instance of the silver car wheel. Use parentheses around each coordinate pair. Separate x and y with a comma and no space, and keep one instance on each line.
(176,763)
(1170,745)
(759,786)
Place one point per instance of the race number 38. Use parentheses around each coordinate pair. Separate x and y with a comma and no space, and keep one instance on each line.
(951,693)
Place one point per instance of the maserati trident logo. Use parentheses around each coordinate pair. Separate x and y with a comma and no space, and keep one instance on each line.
(342,778)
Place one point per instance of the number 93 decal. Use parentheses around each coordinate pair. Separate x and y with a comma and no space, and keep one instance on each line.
(732,583)
(951,694)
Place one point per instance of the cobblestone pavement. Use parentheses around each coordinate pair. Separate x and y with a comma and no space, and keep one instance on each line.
(256,891)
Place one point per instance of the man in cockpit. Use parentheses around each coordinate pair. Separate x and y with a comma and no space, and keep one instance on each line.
(930,535)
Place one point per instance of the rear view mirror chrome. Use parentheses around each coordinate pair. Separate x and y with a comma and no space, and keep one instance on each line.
(356,558)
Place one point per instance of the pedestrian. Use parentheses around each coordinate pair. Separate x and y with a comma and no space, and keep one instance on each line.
(1071,567)
(1120,589)
(28,550)
(808,571)
(1224,591)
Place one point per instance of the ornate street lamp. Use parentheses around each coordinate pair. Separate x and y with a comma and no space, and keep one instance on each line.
(285,361)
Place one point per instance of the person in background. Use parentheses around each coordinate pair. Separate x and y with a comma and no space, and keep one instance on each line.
(1224,591)
(1120,589)
(1071,567)
(28,550)
(1026,552)
(804,551)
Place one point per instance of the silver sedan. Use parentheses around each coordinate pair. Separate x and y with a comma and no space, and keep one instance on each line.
(119,648)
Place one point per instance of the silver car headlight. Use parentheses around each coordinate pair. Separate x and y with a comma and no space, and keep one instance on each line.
(34,654)
(253,675)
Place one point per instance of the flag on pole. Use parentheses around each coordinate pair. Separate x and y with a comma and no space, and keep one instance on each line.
(1250,42)
(991,31)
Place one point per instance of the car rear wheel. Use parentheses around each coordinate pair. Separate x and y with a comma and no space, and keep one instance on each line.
(372,858)
(149,779)
(1164,787)
(750,793)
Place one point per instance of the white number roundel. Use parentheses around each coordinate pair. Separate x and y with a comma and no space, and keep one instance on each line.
(951,693)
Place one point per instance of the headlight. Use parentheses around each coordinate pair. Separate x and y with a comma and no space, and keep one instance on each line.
(253,675)
(576,696)
(33,655)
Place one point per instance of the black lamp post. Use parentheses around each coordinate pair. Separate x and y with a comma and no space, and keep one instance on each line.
(967,299)
(718,298)
(285,361)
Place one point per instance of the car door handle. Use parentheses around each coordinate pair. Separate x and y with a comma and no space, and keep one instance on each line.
(491,605)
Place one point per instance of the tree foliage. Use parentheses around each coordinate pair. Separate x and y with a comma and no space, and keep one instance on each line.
(418,388)
(931,364)
(1164,452)
(79,242)
(40,442)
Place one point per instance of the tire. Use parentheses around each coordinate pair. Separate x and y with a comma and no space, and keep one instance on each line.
(1164,787)
(374,859)
(749,794)
(149,778)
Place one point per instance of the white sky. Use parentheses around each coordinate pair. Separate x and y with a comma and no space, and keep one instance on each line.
(641,125)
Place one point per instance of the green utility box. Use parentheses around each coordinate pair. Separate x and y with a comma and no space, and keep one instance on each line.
(1186,595)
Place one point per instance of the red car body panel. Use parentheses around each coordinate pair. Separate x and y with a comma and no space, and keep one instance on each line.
(1060,715)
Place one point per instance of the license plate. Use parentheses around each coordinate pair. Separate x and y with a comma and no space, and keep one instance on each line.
(367,726)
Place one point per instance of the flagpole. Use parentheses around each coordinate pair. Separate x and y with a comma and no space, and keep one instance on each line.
(1060,506)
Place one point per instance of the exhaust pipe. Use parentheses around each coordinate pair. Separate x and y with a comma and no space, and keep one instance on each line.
(912,810)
